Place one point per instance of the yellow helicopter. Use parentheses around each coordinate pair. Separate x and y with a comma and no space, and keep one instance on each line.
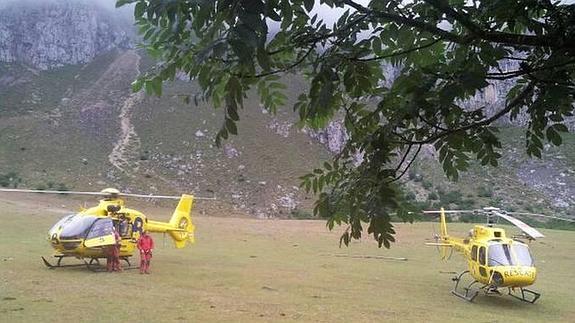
(494,260)
(86,235)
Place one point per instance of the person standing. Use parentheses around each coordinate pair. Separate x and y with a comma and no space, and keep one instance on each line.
(146,246)
(113,256)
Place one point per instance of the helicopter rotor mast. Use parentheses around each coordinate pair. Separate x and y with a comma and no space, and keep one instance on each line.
(170,197)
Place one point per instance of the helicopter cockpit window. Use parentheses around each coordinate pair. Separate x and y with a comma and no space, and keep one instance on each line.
(482,256)
(474,253)
(102,227)
(522,254)
(500,255)
(77,227)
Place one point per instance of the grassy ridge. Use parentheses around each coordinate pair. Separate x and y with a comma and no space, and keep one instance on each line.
(247,270)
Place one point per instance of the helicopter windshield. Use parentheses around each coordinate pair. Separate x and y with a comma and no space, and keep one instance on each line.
(505,255)
(522,254)
(76,227)
(58,224)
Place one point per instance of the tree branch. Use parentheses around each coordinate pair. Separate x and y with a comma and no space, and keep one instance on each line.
(495,36)
(431,124)
(408,165)
(403,159)
(399,53)
(407,21)
(518,100)
(476,31)
(285,69)
(519,72)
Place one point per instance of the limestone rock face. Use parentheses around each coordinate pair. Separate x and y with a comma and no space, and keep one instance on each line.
(47,34)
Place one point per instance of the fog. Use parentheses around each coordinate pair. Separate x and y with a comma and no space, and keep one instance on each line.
(108,4)
(125,13)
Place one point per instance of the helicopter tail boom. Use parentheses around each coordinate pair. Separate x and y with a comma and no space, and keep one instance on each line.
(180,226)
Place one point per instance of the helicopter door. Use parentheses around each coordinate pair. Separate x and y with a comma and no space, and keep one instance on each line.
(482,261)
(101,234)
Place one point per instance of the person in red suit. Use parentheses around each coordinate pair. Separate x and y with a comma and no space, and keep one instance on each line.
(113,259)
(146,246)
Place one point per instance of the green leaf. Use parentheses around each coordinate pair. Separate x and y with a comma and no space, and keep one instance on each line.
(156,86)
(263,59)
(233,113)
(308,4)
(139,10)
(231,126)
(137,85)
(553,136)
(120,3)
(345,239)
(559,127)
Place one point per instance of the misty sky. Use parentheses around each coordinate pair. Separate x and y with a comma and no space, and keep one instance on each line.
(105,3)
(329,15)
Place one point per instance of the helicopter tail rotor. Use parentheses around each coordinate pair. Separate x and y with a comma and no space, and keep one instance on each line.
(182,220)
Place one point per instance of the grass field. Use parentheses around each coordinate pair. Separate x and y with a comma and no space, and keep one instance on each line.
(262,270)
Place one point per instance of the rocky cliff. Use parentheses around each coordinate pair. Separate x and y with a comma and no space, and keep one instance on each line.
(49,34)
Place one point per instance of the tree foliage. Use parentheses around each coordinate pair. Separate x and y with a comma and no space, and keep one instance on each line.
(447,52)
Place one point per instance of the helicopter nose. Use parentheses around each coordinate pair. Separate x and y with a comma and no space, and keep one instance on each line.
(515,276)
(53,239)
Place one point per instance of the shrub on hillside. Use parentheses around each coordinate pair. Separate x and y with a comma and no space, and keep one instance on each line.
(10,179)
(432,196)
(485,191)
(451,197)
(300,214)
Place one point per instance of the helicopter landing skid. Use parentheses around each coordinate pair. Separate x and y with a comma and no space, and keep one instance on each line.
(93,264)
(58,263)
(467,294)
(526,295)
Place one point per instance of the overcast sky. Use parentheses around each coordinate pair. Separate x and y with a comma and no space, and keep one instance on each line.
(109,4)
(329,15)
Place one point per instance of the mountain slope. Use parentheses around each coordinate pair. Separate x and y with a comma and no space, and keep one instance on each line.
(100,134)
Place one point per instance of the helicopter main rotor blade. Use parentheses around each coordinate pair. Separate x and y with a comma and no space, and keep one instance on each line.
(543,216)
(452,211)
(168,197)
(150,196)
(531,232)
(17,190)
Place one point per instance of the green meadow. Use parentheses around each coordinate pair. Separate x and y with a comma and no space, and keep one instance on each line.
(248,270)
